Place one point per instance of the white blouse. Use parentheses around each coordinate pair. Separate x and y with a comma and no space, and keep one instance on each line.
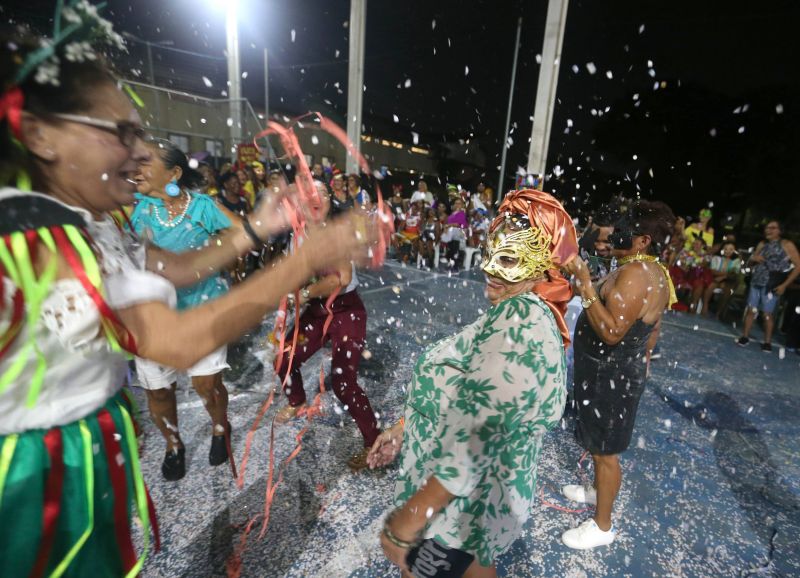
(83,372)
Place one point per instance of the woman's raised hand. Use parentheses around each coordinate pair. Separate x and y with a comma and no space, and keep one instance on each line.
(271,216)
(349,238)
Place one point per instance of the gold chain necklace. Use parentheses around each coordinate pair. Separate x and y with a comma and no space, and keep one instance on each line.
(637,257)
(652,259)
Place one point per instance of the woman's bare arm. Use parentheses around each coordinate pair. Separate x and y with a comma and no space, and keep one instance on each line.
(188,268)
(181,339)
(330,283)
(623,305)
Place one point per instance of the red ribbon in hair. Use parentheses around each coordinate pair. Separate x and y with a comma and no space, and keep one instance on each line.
(11,109)
(547,214)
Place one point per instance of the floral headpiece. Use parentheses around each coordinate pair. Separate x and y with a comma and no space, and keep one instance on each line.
(76,27)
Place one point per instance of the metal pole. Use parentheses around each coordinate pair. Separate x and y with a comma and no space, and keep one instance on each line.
(508,114)
(355,80)
(266,85)
(546,91)
(156,94)
(234,73)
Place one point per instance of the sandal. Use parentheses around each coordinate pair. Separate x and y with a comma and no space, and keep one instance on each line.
(359,461)
(288,413)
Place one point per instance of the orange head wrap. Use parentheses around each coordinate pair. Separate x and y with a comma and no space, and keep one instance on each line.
(546,213)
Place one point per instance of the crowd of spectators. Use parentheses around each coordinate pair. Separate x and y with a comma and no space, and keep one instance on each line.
(444,230)
(440,231)
(713,275)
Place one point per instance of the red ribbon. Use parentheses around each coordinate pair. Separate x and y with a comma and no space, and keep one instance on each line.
(116,471)
(52,500)
(151,509)
(11,108)
(126,339)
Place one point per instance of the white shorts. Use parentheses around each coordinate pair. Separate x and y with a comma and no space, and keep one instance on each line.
(453,234)
(153,375)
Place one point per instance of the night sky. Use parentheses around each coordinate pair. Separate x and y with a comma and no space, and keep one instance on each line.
(722,126)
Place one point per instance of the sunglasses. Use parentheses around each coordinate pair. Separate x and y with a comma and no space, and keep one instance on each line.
(127,132)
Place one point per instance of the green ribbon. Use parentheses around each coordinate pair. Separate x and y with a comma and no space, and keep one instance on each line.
(35,291)
(88,469)
(6,455)
(138,482)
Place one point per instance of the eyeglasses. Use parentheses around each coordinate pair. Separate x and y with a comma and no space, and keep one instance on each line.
(127,132)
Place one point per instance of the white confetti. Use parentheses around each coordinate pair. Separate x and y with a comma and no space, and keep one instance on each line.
(407,83)
(466,71)
(207,82)
(293,34)
(395,118)
(591,67)
(609,74)
(314,139)
(779,108)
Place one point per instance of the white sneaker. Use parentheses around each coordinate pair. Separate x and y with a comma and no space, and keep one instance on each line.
(587,535)
(580,494)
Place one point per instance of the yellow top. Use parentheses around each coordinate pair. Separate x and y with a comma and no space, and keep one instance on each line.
(693,232)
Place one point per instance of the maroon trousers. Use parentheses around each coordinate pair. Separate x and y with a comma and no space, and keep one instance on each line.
(346,333)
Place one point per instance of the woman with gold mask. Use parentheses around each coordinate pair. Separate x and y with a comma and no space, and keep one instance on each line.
(480,401)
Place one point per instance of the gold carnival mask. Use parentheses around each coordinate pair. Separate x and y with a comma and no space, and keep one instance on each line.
(530,248)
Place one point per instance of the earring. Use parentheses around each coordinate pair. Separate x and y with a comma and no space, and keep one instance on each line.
(172,188)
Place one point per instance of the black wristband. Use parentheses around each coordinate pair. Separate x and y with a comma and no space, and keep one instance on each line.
(248,228)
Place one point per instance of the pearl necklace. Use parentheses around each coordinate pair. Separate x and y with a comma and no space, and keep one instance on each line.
(173,221)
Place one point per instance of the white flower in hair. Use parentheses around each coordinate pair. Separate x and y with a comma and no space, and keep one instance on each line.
(79,52)
(47,72)
(89,9)
(71,16)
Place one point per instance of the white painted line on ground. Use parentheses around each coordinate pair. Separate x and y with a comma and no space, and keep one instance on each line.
(704,330)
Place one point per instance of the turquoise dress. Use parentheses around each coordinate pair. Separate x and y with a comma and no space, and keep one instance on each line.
(202,220)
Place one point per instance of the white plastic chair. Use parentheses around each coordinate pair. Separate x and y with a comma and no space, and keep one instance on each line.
(469,253)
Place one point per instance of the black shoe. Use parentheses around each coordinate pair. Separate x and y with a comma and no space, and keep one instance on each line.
(766,347)
(743,341)
(218,454)
(173,468)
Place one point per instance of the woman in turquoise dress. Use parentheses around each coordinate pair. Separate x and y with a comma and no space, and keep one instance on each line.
(171,215)
(479,403)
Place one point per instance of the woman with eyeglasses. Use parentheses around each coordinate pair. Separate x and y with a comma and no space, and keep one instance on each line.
(172,215)
(80,293)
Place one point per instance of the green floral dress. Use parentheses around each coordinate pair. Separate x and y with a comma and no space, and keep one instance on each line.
(478,405)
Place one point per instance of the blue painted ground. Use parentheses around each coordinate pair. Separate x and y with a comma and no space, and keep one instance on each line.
(711,486)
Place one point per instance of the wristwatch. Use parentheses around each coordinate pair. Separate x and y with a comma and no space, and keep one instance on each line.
(589,302)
